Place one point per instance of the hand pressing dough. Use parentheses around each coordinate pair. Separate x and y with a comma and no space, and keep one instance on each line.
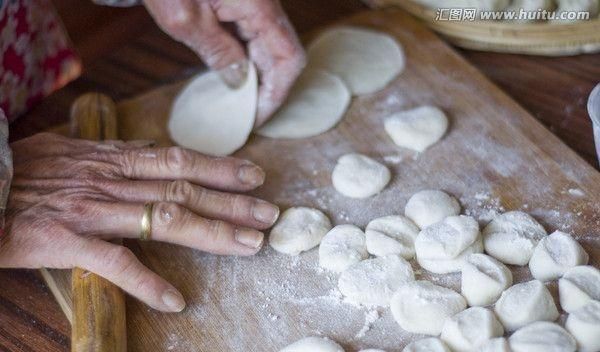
(298,230)
(211,118)
(484,279)
(542,336)
(470,329)
(578,286)
(498,344)
(430,206)
(394,234)
(417,129)
(341,247)
(525,303)
(584,325)
(373,282)
(366,60)
(442,247)
(430,344)
(554,255)
(313,344)
(421,307)
(358,176)
(316,104)
(512,237)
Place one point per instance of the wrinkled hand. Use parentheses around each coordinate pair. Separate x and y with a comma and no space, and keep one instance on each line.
(271,41)
(69,196)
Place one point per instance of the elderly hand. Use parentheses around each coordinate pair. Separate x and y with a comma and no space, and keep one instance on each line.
(271,41)
(69,196)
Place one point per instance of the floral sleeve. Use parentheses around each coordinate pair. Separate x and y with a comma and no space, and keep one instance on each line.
(6,168)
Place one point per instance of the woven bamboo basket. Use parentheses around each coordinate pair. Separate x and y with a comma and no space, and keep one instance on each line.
(508,37)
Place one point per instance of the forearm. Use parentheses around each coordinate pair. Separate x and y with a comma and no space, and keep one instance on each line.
(6,166)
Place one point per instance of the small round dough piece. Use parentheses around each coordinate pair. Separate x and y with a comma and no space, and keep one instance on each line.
(393,234)
(584,325)
(525,303)
(471,328)
(341,247)
(430,344)
(578,286)
(373,282)
(421,307)
(417,129)
(316,104)
(211,118)
(358,176)
(366,60)
(442,247)
(542,336)
(430,206)
(313,344)
(554,255)
(512,237)
(299,229)
(498,344)
(484,279)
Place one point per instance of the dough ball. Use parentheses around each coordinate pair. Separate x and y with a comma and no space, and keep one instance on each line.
(430,344)
(470,329)
(542,336)
(313,344)
(366,60)
(421,307)
(373,282)
(316,103)
(525,303)
(584,325)
(341,247)
(298,230)
(417,129)
(554,255)
(358,176)
(430,206)
(498,344)
(591,6)
(442,247)
(394,234)
(484,279)
(578,286)
(512,237)
(211,118)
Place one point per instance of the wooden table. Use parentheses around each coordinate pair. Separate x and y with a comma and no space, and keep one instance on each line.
(135,56)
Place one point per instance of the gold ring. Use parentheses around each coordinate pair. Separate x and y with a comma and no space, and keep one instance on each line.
(146,222)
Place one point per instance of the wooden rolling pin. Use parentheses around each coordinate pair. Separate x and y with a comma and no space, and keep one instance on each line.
(98,322)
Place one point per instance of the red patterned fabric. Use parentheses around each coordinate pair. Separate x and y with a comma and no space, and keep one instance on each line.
(35,54)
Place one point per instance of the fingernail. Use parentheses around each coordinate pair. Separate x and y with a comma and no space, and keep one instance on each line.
(249,238)
(235,74)
(174,300)
(251,174)
(265,212)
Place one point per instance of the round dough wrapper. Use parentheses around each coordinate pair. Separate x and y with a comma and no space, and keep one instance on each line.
(393,234)
(313,344)
(366,60)
(484,279)
(430,344)
(525,303)
(212,118)
(584,325)
(578,286)
(341,247)
(316,104)
(542,336)
(470,329)
(430,206)
(417,129)
(498,344)
(554,255)
(421,307)
(358,176)
(512,237)
(298,230)
(372,282)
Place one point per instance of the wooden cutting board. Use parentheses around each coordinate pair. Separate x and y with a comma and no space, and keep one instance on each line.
(495,157)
